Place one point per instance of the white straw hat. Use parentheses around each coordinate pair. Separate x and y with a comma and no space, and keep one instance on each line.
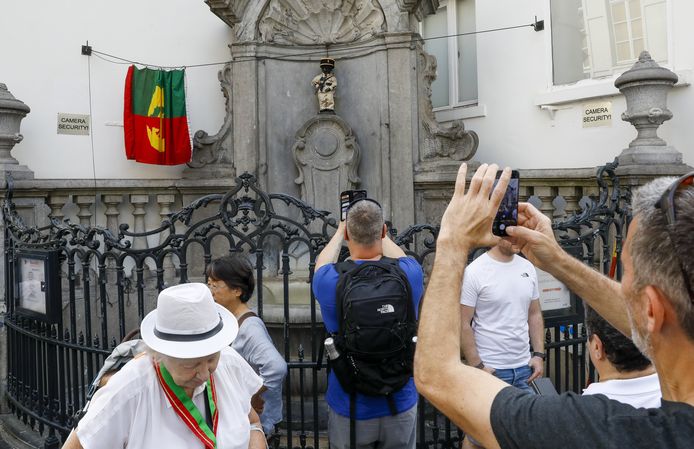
(187,323)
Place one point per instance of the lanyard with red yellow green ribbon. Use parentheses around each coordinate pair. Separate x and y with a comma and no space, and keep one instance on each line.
(186,409)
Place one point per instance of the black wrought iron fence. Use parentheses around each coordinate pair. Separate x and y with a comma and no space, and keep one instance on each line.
(105,286)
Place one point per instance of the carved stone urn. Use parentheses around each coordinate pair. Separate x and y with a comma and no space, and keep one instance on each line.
(12,111)
(645,87)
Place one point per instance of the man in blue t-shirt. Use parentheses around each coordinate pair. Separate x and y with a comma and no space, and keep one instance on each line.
(367,239)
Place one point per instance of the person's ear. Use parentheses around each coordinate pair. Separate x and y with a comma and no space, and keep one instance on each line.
(658,307)
(384,231)
(237,292)
(346,234)
(596,347)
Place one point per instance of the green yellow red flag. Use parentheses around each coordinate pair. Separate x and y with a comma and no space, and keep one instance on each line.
(154,117)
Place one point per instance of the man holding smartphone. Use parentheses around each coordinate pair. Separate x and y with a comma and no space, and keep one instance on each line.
(500,312)
(387,422)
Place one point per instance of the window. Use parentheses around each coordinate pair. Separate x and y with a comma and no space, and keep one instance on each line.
(597,38)
(456,72)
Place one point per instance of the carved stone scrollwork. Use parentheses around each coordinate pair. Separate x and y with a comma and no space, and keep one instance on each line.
(442,142)
(420,7)
(230,11)
(327,156)
(318,22)
(215,152)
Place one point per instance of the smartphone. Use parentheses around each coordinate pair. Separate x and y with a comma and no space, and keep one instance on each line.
(346,198)
(507,215)
(544,386)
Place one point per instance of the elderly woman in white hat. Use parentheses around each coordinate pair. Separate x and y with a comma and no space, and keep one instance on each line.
(192,391)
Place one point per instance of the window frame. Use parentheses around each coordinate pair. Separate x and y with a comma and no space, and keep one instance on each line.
(601,86)
(453,87)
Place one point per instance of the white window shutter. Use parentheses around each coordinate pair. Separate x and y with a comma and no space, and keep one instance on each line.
(654,13)
(599,42)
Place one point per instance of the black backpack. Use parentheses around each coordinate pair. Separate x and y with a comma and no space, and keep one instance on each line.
(377,327)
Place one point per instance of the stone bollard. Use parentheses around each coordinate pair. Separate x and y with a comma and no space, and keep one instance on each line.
(645,87)
(12,111)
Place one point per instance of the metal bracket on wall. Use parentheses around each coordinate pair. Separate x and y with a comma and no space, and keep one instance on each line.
(87,49)
(538,25)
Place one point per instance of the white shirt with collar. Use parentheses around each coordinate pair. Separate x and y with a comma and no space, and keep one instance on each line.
(132,412)
(639,392)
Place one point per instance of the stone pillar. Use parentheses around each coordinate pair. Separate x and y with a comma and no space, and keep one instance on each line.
(398,162)
(139,202)
(645,87)
(112,202)
(165,201)
(84,202)
(56,203)
(247,152)
(12,111)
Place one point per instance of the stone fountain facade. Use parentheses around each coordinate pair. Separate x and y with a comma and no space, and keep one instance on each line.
(383,135)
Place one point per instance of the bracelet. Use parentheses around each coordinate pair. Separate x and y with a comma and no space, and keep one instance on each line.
(541,355)
(258,428)
(480,365)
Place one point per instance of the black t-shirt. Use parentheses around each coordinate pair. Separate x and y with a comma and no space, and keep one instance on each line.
(568,421)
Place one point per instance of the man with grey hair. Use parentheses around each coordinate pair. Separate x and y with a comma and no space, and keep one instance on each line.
(653,304)
(386,422)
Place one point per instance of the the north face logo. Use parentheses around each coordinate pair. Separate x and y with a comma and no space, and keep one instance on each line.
(386,308)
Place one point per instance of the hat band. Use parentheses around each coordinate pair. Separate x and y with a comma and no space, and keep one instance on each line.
(189,337)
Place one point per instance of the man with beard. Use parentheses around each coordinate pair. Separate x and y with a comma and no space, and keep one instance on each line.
(654,304)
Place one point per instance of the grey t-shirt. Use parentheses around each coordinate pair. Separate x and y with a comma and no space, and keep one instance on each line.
(255,345)
(568,421)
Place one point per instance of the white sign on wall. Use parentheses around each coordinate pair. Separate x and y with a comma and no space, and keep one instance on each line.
(75,124)
(597,114)
(553,293)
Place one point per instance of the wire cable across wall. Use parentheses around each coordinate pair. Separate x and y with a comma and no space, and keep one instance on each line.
(538,26)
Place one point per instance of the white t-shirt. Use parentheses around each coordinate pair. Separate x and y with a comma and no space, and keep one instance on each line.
(132,412)
(640,392)
(501,293)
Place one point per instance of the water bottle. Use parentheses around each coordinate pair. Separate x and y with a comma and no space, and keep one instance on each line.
(330,348)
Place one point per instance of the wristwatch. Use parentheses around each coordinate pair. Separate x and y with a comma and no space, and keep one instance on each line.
(541,355)
(480,365)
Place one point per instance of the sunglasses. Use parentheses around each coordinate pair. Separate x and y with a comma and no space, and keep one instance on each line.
(365,199)
(666,203)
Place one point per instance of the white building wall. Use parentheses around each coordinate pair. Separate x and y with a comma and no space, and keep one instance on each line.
(515,80)
(41,64)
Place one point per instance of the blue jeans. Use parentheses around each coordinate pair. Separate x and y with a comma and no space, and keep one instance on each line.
(518,377)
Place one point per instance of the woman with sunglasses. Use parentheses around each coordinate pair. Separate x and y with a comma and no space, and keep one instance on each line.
(231,282)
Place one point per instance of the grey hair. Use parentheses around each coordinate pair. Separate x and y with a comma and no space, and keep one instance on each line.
(365,223)
(656,253)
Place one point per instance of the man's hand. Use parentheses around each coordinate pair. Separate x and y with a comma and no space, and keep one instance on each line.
(331,252)
(534,237)
(467,222)
(257,401)
(538,367)
(489,370)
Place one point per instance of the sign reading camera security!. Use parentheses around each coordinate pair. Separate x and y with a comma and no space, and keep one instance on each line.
(75,124)
(597,114)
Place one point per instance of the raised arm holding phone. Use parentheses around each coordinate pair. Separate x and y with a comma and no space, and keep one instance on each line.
(653,304)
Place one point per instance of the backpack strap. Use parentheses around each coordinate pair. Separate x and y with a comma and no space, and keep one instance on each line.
(243,317)
(342,269)
(391,404)
(353,420)
(395,263)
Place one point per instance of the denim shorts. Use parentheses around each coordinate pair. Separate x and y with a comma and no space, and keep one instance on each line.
(518,377)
